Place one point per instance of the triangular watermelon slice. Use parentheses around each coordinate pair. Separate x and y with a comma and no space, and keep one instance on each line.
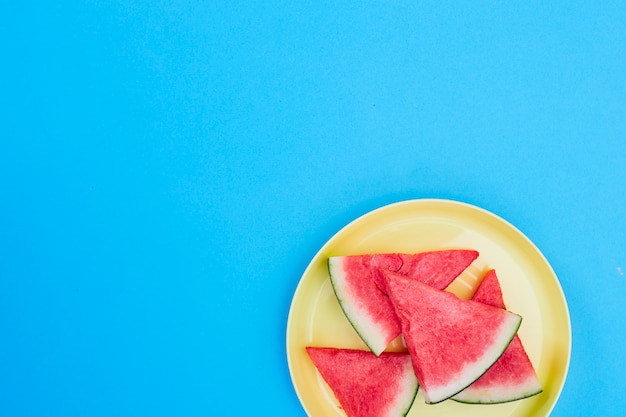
(512,377)
(366,385)
(360,288)
(452,342)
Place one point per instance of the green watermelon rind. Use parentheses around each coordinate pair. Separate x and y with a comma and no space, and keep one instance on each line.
(476,398)
(360,319)
(502,393)
(508,332)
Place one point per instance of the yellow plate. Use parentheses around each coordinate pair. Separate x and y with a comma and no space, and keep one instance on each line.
(529,286)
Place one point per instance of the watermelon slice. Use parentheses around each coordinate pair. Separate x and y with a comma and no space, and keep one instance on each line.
(512,377)
(361,289)
(452,342)
(366,385)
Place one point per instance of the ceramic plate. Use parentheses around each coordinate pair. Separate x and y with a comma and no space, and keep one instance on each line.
(529,285)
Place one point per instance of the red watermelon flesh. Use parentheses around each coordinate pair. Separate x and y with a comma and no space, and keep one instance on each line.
(357,282)
(452,342)
(367,385)
(436,268)
(512,377)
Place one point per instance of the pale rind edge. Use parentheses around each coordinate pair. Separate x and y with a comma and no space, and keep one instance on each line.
(360,319)
(473,371)
(497,395)
(408,391)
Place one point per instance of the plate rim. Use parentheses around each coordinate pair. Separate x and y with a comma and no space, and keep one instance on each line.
(426,201)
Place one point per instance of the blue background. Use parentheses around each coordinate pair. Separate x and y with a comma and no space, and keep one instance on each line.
(168,170)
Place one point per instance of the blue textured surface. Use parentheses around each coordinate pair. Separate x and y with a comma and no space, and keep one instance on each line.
(168,169)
